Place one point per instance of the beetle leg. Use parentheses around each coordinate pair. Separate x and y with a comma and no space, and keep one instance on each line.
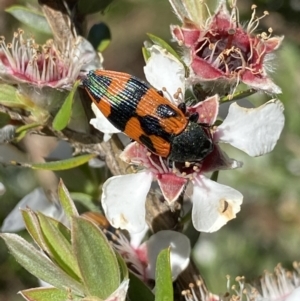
(182,107)
(160,92)
(194,117)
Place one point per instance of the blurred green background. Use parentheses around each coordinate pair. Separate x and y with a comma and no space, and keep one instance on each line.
(267,230)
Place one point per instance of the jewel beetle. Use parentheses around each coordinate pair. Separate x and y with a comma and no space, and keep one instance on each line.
(147,117)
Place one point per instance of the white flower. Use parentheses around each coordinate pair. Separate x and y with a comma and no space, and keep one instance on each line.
(255,131)
(102,124)
(141,258)
(37,201)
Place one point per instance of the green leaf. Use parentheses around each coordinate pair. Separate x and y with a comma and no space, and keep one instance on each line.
(238,95)
(66,201)
(63,116)
(33,227)
(26,127)
(30,18)
(47,294)
(38,264)
(22,130)
(86,200)
(124,273)
(58,239)
(146,54)
(160,42)
(138,288)
(59,165)
(163,277)
(9,97)
(96,259)
(92,6)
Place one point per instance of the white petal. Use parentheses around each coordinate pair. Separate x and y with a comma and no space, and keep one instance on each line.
(254,131)
(124,198)
(37,201)
(163,70)
(87,56)
(180,251)
(213,204)
(294,296)
(137,238)
(120,293)
(2,189)
(102,124)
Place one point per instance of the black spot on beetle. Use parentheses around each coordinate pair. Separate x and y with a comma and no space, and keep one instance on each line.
(151,126)
(128,99)
(147,142)
(165,111)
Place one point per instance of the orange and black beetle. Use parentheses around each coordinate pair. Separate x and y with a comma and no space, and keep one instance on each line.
(147,117)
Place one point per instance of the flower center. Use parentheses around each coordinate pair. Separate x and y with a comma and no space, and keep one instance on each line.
(161,166)
(41,64)
(226,50)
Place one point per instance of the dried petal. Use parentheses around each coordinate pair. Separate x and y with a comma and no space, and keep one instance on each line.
(213,204)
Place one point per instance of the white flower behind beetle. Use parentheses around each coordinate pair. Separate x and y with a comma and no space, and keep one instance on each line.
(37,201)
(255,131)
(101,123)
(141,258)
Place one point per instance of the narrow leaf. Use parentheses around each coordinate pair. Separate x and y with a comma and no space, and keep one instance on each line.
(63,116)
(22,130)
(138,288)
(160,42)
(9,98)
(238,95)
(86,200)
(66,201)
(38,264)
(27,127)
(30,18)
(59,165)
(46,294)
(124,273)
(146,54)
(163,277)
(33,227)
(58,241)
(96,259)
